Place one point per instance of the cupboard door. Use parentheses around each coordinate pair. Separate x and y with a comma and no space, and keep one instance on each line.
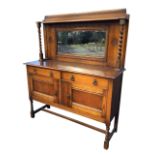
(44,89)
(66,92)
(89,102)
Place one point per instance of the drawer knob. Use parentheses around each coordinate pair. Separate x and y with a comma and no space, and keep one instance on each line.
(95,82)
(72,78)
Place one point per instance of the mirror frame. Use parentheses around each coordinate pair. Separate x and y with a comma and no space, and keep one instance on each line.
(87,28)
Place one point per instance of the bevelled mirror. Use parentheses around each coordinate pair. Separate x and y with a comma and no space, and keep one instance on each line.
(82,43)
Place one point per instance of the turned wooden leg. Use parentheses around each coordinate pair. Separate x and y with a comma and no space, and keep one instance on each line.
(116,123)
(31,109)
(106,141)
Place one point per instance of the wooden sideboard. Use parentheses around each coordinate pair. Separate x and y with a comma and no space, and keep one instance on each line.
(85,85)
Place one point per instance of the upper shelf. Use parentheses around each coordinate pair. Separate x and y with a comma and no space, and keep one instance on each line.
(106,72)
(90,16)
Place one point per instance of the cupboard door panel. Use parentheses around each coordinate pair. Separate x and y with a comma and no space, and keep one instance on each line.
(88,99)
(90,102)
(43,87)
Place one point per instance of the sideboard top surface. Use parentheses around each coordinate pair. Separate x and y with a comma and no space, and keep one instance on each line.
(106,72)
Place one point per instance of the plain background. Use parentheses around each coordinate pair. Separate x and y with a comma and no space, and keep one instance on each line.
(47,134)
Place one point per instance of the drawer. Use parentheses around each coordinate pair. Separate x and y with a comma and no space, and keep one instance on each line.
(91,81)
(43,72)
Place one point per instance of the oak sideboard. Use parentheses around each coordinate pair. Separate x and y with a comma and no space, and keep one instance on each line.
(81,67)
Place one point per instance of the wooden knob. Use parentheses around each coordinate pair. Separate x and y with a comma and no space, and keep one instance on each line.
(95,82)
(72,78)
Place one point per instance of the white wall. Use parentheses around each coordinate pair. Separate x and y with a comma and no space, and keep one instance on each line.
(47,134)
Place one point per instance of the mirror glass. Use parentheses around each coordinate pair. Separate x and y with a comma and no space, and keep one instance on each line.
(84,43)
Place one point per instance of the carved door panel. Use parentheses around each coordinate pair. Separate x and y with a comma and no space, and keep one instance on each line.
(44,89)
(90,102)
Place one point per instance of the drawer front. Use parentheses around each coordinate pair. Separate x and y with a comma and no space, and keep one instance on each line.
(85,80)
(43,72)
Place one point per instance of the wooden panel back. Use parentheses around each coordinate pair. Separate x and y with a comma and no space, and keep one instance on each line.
(116,42)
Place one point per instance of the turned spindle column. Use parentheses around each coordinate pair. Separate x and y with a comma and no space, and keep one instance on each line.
(122,23)
(106,142)
(40,43)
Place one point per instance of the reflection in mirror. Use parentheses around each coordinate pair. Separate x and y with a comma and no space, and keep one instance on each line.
(85,43)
